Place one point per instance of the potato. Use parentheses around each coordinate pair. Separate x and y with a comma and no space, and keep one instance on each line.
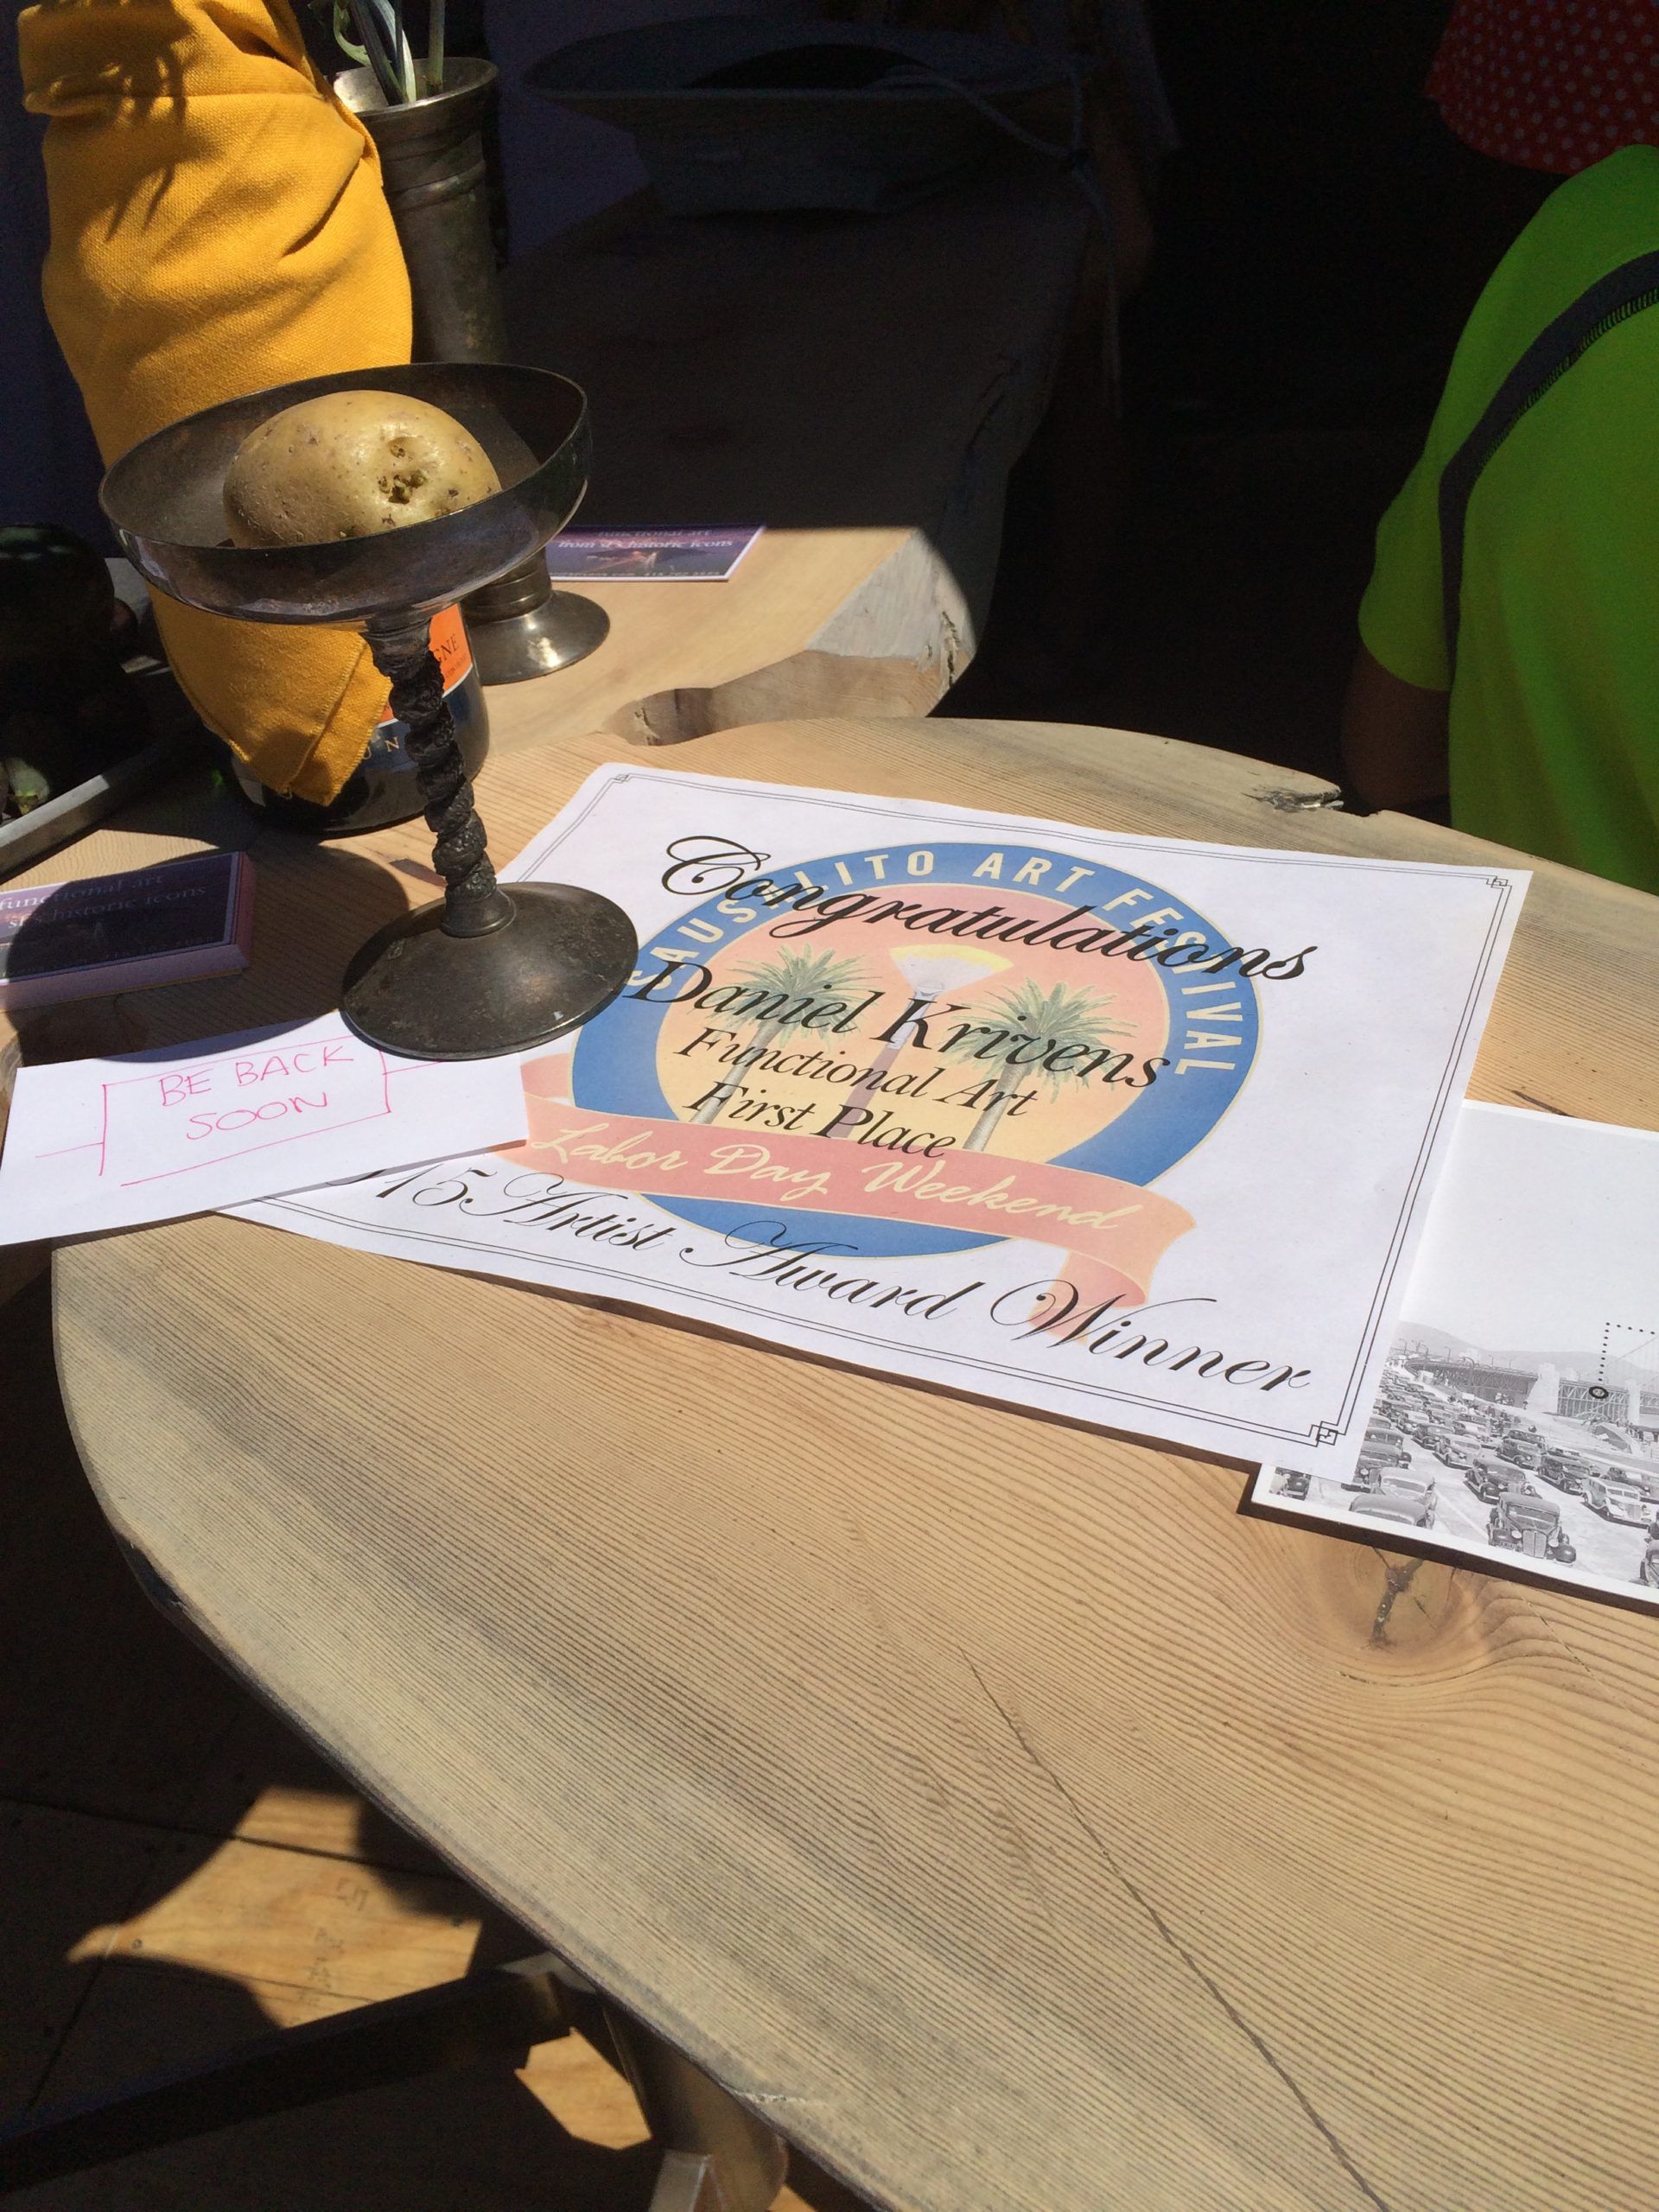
(349,465)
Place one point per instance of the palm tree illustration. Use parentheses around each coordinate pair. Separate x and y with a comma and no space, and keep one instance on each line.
(931,971)
(1062,1018)
(803,978)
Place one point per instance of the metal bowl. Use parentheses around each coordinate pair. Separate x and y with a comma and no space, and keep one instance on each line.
(165,501)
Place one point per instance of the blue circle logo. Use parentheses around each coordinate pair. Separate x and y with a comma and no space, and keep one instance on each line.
(954,997)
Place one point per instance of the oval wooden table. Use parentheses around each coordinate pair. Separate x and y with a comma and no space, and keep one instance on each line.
(1005,1816)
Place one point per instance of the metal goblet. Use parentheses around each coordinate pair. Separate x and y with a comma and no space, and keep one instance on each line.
(489,968)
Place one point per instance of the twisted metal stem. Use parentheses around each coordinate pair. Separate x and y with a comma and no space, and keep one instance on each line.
(473,902)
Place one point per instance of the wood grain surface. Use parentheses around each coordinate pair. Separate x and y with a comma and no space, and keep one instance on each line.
(139,1930)
(1016,1821)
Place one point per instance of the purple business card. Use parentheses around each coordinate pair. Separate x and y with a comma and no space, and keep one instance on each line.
(706,556)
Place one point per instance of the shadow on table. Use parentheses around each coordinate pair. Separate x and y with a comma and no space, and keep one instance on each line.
(319,900)
(474,2139)
(128,1762)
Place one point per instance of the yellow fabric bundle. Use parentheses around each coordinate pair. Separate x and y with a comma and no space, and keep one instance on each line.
(217,225)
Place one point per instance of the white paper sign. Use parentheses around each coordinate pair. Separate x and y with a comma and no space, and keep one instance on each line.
(1518,1417)
(104,1144)
(1132,1130)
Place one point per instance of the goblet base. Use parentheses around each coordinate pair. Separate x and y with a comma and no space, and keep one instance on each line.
(559,956)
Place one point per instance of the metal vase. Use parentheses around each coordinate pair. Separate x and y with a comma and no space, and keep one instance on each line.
(432,169)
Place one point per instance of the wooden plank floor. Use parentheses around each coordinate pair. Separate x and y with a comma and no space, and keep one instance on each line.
(179,1872)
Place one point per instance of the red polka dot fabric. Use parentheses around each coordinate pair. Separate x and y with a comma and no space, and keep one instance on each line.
(1550,83)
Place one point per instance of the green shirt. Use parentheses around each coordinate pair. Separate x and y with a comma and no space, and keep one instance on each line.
(1554,710)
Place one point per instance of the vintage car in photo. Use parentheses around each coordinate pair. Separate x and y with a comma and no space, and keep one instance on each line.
(1531,1526)
(1409,1499)
(1457,1451)
(1616,1498)
(1521,1449)
(1490,1478)
(1565,1469)
(1385,1447)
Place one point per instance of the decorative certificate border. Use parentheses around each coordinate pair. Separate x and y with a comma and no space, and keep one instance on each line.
(1236,1434)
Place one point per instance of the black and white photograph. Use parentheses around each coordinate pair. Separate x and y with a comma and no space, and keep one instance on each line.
(1518,1415)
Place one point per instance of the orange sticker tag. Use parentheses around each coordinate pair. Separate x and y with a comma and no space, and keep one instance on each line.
(447,639)
(448,636)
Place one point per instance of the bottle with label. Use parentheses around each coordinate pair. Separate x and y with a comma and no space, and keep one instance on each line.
(383,787)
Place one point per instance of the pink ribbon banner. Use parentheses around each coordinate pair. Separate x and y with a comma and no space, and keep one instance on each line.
(1110,1225)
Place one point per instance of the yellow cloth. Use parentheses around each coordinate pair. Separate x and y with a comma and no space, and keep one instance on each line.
(218,225)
